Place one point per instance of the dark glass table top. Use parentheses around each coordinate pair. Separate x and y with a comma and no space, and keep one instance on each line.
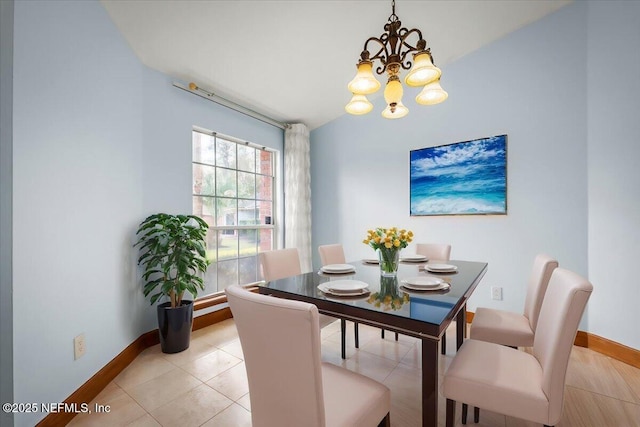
(388,302)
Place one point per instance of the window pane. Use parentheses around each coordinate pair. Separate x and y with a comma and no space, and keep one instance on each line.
(204,208)
(248,242)
(265,162)
(266,237)
(248,270)
(227,212)
(227,244)
(226,153)
(264,184)
(226,183)
(264,212)
(204,180)
(210,280)
(203,148)
(247,212)
(246,185)
(246,158)
(227,273)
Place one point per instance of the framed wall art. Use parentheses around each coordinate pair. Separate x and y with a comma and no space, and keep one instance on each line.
(464,178)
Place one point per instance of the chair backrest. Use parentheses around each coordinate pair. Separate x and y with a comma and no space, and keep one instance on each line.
(435,251)
(331,254)
(543,266)
(562,309)
(280,340)
(280,263)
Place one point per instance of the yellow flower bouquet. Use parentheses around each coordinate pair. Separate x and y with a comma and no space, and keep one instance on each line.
(389,297)
(388,242)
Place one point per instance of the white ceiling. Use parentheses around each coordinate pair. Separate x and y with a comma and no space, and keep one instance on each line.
(292,60)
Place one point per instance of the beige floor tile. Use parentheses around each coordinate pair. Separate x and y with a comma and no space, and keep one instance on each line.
(594,372)
(392,350)
(600,392)
(234,348)
(144,368)
(219,334)
(631,376)
(232,383)
(245,402)
(163,389)
(211,365)
(197,349)
(123,409)
(234,416)
(144,421)
(370,365)
(193,408)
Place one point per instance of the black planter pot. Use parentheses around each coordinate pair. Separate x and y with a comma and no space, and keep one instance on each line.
(174,325)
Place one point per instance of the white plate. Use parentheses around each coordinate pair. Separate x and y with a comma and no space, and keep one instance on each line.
(423,282)
(338,268)
(342,286)
(414,258)
(322,287)
(441,287)
(371,261)
(441,268)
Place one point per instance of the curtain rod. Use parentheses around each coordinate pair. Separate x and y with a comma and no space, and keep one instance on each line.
(194,89)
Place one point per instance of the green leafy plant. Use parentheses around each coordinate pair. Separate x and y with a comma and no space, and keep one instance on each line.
(173,253)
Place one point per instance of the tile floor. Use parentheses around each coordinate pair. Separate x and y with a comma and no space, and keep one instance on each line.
(206,385)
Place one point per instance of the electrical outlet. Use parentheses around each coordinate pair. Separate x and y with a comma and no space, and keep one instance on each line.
(79,347)
(496,293)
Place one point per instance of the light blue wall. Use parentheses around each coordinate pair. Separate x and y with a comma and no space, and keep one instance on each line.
(529,85)
(565,89)
(99,142)
(614,156)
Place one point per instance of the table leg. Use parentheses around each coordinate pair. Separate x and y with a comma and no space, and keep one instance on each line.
(429,382)
(461,323)
(343,337)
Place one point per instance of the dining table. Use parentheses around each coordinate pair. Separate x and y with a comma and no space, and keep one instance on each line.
(393,304)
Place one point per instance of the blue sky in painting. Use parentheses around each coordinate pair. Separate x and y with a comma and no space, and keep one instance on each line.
(462,178)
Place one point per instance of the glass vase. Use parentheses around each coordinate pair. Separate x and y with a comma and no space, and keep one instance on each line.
(389,260)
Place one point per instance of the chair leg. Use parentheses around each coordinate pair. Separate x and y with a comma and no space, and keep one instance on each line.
(386,421)
(443,347)
(355,332)
(396,336)
(476,414)
(343,335)
(451,412)
(382,333)
(465,408)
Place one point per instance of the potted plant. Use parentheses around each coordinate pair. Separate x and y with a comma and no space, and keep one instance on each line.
(173,254)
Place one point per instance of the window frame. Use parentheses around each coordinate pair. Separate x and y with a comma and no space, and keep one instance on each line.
(259,225)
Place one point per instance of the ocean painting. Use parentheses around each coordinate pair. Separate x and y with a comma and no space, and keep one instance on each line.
(465,178)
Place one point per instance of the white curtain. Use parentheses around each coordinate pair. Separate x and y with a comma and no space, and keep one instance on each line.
(297,193)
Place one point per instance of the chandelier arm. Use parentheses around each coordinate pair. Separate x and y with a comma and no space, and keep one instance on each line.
(379,54)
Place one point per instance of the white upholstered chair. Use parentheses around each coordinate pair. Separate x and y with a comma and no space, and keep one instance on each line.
(289,385)
(331,254)
(334,254)
(281,263)
(516,329)
(516,383)
(434,251)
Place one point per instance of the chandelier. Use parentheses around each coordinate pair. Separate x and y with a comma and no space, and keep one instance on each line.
(392,49)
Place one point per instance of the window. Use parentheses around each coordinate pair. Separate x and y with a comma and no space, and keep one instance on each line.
(233,184)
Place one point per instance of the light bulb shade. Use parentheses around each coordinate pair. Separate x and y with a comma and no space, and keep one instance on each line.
(364,83)
(432,94)
(396,112)
(358,105)
(423,70)
(393,91)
